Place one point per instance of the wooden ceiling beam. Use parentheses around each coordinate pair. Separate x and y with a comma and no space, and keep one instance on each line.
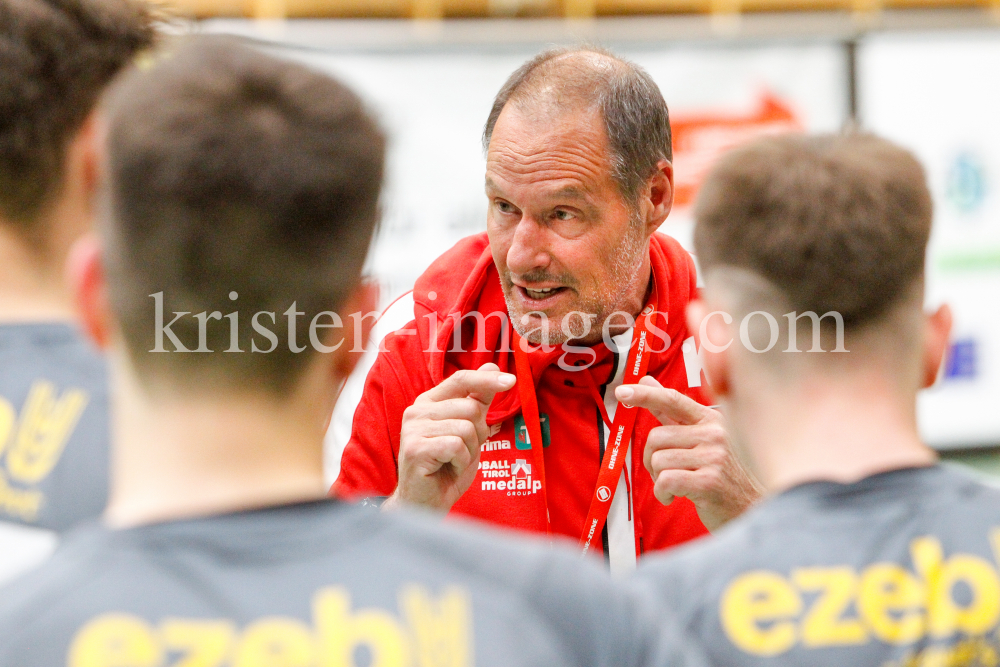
(573,9)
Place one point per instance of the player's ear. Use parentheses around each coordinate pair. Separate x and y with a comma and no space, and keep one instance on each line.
(709,327)
(92,136)
(85,275)
(937,331)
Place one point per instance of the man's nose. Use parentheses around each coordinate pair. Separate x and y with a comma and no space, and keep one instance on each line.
(528,249)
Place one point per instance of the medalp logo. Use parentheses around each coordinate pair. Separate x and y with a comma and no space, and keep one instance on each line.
(514,477)
(603,493)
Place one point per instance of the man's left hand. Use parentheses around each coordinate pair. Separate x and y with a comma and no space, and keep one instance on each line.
(690,454)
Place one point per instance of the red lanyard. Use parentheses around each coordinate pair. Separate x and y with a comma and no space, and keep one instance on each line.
(620,434)
(529,410)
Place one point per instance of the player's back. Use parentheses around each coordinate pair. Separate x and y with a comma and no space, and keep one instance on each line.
(898,569)
(320,583)
(53,439)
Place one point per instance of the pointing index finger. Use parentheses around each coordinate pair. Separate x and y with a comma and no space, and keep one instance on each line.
(669,406)
(481,384)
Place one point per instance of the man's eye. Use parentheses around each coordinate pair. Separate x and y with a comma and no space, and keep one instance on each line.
(563,215)
(504,207)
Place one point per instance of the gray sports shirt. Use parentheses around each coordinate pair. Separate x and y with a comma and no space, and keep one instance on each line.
(897,570)
(53,427)
(324,584)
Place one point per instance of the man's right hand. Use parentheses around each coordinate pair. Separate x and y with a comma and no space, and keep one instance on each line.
(441,436)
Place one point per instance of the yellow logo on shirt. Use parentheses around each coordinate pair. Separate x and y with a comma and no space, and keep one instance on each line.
(30,446)
(433,632)
(764,612)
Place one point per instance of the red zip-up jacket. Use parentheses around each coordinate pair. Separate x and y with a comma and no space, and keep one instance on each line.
(421,354)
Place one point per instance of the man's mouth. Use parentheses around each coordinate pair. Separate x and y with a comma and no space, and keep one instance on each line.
(541,293)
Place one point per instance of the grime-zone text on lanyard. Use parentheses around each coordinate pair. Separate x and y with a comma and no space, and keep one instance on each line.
(621,429)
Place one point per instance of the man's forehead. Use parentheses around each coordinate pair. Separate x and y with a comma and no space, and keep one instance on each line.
(553,185)
(568,156)
(536,127)
(569,173)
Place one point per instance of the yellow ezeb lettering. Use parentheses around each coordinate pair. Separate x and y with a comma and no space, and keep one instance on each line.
(945,615)
(826,624)
(342,630)
(892,603)
(115,640)
(758,612)
(276,641)
(201,643)
(436,631)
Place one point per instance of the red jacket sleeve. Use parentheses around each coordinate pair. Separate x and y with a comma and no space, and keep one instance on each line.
(368,466)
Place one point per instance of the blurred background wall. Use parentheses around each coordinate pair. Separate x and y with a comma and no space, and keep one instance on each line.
(925,73)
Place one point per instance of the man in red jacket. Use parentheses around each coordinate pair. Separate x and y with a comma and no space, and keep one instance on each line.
(496,399)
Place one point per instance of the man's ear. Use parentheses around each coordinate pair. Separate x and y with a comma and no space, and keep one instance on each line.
(660,195)
(711,333)
(937,331)
(85,275)
(92,136)
(359,314)
(84,162)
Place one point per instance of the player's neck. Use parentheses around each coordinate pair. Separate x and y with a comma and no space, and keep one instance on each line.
(200,456)
(836,430)
(32,283)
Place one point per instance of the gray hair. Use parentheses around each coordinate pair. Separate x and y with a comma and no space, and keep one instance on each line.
(636,119)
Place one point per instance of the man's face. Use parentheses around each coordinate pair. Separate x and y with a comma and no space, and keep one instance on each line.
(563,238)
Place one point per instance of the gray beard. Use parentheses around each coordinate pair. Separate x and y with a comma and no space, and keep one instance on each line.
(612,298)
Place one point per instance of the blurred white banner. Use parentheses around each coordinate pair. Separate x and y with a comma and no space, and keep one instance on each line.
(939,95)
